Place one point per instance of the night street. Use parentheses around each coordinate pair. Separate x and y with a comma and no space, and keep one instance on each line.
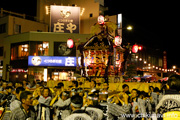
(89,60)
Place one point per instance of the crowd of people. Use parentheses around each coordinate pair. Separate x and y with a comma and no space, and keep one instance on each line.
(23,101)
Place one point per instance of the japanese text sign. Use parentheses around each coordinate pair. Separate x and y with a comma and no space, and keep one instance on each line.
(65,19)
(51,61)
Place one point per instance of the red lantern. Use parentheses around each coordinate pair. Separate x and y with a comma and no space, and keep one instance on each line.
(135,48)
(70,43)
(140,47)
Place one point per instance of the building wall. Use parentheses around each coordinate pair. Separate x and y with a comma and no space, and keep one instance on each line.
(26,25)
(3,20)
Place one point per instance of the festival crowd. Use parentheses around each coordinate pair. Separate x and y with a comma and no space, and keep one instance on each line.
(25,101)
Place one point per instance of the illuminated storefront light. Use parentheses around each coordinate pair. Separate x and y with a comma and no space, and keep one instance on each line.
(45,74)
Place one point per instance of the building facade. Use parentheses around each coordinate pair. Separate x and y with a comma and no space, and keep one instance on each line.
(24,50)
(12,24)
(89,11)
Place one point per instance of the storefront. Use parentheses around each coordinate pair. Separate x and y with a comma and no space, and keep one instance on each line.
(51,67)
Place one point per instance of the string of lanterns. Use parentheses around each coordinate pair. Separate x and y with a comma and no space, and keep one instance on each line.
(135,49)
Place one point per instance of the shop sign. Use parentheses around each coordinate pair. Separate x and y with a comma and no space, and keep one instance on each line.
(51,61)
(19,70)
(164,60)
(119,27)
(65,19)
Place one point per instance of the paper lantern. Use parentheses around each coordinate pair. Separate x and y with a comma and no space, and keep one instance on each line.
(70,43)
(118,41)
(135,48)
(140,48)
(101,19)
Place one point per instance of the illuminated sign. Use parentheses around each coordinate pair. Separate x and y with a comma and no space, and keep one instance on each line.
(119,20)
(19,70)
(65,19)
(51,61)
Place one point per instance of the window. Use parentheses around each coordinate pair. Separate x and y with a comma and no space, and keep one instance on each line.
(2,28)
(19,51)
(23,50)
(37,73)
(1,51)
(90,15)
(39,48)
(17,29)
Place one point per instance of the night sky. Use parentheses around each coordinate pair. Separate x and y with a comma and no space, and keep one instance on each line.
(155,23)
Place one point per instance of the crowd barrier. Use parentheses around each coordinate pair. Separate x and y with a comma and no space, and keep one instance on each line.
(112,86)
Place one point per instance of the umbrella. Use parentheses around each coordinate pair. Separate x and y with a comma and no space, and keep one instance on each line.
(146,76)
(138,78)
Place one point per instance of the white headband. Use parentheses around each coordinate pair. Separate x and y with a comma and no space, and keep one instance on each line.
(76,105)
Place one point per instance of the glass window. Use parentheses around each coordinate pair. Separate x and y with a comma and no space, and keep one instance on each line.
(36,74)
(39,48)
(1,51)
(19,51)
(17,29)
(3,28)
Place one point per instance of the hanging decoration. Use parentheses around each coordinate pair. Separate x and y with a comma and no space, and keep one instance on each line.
(140,48)
(118,41)
(135,48)
(70,43)
(98,52)
(101,19)
(103,25)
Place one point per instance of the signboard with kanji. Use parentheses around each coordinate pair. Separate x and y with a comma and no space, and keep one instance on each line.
(65,19)
(51,61)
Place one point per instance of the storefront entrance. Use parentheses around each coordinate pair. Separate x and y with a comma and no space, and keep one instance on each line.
(54,73)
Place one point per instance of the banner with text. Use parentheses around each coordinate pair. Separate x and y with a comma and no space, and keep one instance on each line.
(51,61)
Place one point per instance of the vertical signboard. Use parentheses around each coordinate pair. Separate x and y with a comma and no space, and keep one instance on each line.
(164,60)
(119,20)
(64,19)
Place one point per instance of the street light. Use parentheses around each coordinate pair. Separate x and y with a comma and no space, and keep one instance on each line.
(129,28)
(174,67)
